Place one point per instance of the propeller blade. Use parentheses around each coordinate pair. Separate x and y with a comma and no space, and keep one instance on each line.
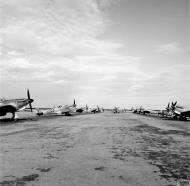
(30,106)
(168,106)
(30,100)
(28,93)
(173,105)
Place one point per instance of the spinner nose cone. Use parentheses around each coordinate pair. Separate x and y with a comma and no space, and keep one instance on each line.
(30,100)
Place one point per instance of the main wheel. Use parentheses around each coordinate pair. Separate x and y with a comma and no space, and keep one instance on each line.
(182,118)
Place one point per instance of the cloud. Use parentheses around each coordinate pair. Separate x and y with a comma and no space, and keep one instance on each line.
(135,87)
(58,27)
(56,41)
(169,48)
(167,81)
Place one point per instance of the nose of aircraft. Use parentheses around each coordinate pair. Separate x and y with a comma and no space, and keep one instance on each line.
(30,100)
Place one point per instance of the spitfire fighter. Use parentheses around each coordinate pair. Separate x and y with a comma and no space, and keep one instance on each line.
(14,105)
(177,111)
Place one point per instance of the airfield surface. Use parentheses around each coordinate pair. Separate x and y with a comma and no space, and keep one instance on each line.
(103,149)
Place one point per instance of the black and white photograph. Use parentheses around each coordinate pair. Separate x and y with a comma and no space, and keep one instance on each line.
(94,92)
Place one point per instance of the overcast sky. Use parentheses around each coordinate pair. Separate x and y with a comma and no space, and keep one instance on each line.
(105,52)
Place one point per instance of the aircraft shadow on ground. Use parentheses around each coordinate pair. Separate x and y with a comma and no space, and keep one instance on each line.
(163,118)
(6,121)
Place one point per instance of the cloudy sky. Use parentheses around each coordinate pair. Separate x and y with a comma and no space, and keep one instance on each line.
(105,52)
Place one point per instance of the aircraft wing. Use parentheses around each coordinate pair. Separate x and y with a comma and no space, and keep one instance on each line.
(146,111)
(182,110)
(150,111)
(155,111)
(79,110)
(7,108)
(68,109)
(186,113)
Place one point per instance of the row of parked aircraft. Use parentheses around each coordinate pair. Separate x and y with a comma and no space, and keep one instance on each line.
(15,105)
(173,110)
(68,110)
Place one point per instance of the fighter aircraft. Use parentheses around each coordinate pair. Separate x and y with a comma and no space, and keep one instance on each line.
(85,109)
(177,111)
(94,110)
(136,110)
(172,110)
(14,105)
(66,110)
(144,111)
(116,110)
(150,111)
(80,109)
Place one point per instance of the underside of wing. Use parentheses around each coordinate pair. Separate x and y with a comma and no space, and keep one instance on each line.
(186,113)
(6,108)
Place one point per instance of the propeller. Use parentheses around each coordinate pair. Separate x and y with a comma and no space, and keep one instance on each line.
(29,99)
(173,106)
(168,107)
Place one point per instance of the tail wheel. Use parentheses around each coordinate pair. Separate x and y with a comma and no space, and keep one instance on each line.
(175,117)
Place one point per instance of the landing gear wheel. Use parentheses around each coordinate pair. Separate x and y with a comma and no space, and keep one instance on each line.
(13,116)
(182,118)
(175,117)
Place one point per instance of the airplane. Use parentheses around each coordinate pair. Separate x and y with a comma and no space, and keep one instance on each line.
(57,110)
(94,110)
(81,109)
(14,105)
(66,110)
(144,111)
(134,110)
(86,109)
(166,112)
(137,110)
(172,110)
(98,109)
(149,111)
(116,110)
(177,111)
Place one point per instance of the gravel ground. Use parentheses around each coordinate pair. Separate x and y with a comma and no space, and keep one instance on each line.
(103,149)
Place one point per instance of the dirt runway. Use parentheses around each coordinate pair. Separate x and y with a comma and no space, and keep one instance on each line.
(103,149)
